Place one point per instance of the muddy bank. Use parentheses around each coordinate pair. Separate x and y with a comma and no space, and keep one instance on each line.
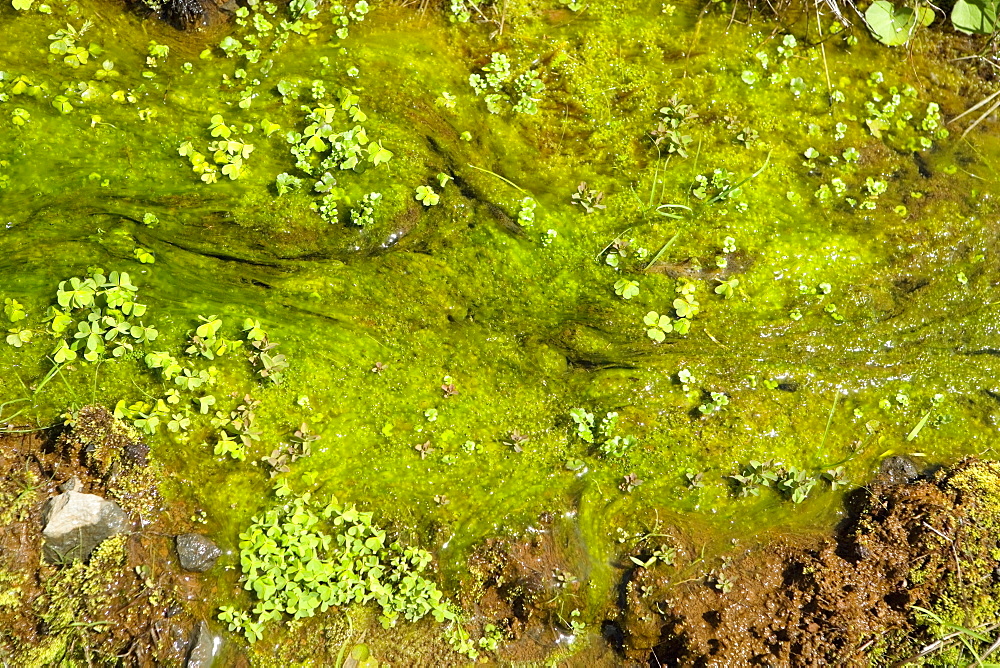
(125,601)
(915,561)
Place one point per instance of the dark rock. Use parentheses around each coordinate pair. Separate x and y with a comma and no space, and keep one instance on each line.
(196,552)
(76,523)
(204,647)
(136,453)
(183,13)
(71,485)
(898,470)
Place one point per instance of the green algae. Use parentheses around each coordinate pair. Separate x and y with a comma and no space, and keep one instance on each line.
(527,331)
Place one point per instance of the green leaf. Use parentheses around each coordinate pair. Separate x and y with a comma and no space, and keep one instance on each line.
(61,103)
(234,169)
(210,328)
(63,353)
(889,24)
(975,17)
(379,155)
(22,5)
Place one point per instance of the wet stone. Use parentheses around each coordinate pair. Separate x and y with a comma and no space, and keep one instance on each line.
(898,470)
(196,552)
(76,523)
(136,454)
(71,485)
(171,642)
(204,647)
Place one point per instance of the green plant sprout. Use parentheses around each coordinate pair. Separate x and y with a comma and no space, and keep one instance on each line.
(727,288)
(836,477)
(722,583)
(608,444)
(285,183)
(718,402)
(526,212)
(426,196)
(658,326)
(588,198)
(584,424)
(19,337)
(796,484)
(667,134)
(498,86)
(756,475)
(364,214)
(626,289)
(144,255)
(14,310)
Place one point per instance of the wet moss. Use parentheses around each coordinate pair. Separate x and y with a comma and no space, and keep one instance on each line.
(527,331)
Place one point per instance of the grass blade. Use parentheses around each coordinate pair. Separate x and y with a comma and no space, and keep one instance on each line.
(663,249)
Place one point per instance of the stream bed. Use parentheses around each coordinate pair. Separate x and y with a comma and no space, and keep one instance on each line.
(558,292)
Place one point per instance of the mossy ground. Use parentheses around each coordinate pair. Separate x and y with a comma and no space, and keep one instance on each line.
(526,330)
(129,603)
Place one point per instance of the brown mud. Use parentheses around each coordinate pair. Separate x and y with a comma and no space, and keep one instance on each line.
(130,603)
(846,600)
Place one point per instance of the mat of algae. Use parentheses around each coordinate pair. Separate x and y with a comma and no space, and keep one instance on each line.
(861,321)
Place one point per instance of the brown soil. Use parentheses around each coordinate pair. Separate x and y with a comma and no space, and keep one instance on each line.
(130,604)
(843,601)
(532,585)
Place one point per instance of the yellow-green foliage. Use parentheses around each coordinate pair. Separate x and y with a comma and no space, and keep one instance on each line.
(17,494)
(10,589)
(970,597)
(101,435)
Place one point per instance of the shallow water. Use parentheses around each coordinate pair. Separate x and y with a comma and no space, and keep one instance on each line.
(526,325)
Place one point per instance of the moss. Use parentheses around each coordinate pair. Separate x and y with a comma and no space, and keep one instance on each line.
(527,331)
(10,589)
(18,494)
(73,606)
(969,595)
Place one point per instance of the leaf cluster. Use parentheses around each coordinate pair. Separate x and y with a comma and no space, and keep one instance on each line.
(302,558)
(602,434)
(108,316)
(588,198)
(499,88)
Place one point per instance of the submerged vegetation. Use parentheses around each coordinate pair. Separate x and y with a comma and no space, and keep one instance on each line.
(597,288)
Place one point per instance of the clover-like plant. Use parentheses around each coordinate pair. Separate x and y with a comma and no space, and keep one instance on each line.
(756,475)
(796,484)
(584,424)
(426,196)
(302,557)
(19,337)
(727,288)
(144,255)
(718,402)
(657,326)
(626,289)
